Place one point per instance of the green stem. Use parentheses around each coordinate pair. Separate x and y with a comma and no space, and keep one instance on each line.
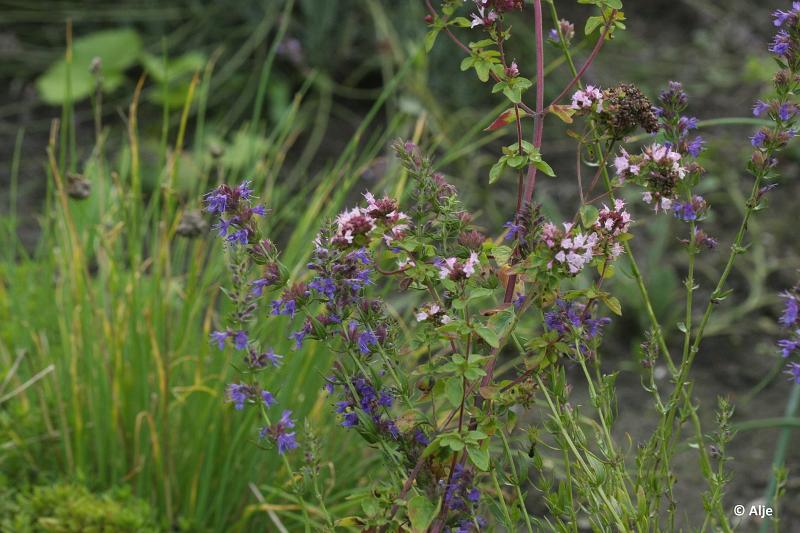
(686,364)
(564,433)
(782,445)
(568,475)
(290,473)
(502,500)
(766,423)
(517,481)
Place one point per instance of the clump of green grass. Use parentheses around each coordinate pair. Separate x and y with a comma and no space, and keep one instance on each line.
(108,375)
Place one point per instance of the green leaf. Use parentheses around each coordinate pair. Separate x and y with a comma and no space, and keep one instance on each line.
(179,67)
(480,292)
(613,304)
(421,512)
(489,336)
(502,254)
(496,171)
(513,93)
(589,215)
(430,39)
(432,447)
(117,50)
(479,457)
(544,167)
(592,23)
(482,69)
(502,322)
(483,43)
(452,441)
(454,391)
(606,270)
(518,161)
(563,112)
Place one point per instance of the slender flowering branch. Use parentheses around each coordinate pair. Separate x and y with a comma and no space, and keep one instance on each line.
(592,56)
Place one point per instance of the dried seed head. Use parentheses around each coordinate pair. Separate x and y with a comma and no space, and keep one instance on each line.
(216,150)
(78,187)
(192,224)
(95,66)
(472,239)
(625,108)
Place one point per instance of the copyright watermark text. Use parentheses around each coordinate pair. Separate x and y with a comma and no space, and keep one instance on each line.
(758,511)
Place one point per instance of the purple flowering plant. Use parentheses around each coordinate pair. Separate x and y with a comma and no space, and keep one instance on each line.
(427,389)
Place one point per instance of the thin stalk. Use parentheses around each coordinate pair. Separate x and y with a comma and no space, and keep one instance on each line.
(782,445)
(502,500)
(557,418)
(568,476)
(520,497)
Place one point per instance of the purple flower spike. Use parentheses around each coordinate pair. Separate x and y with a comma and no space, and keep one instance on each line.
(790,311)
(238,393)
(240,340)
(268,399)
(366,340)
(244,190)
(786,111)
(514,230)
(781,44)
(788,346)
(273,358)
(216,202)
(760,107)
(758,139)
(219,337)
(695,146)
(286,442)
(793,369)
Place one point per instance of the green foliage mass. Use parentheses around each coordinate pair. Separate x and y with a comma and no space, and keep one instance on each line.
(72,508)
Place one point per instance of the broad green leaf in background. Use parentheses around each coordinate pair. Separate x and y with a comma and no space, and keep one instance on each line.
(177,75)
(117,49)
(421,511)
(176,68)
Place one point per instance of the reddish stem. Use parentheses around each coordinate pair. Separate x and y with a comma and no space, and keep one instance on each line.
(538,128)
(466,49)
(596,50)
(538,118)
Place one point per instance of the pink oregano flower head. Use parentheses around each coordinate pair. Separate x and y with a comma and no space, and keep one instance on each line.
(586,98)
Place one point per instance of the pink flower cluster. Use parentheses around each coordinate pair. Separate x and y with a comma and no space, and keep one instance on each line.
(586,98)
(485,16)
(454,269)
(624,167)
(490,10)
(661,169)
(361,221)
(656,154)
(432,312)
(572,248)
(613,222)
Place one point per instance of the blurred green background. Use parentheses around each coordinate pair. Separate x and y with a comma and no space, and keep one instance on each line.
(106,377)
